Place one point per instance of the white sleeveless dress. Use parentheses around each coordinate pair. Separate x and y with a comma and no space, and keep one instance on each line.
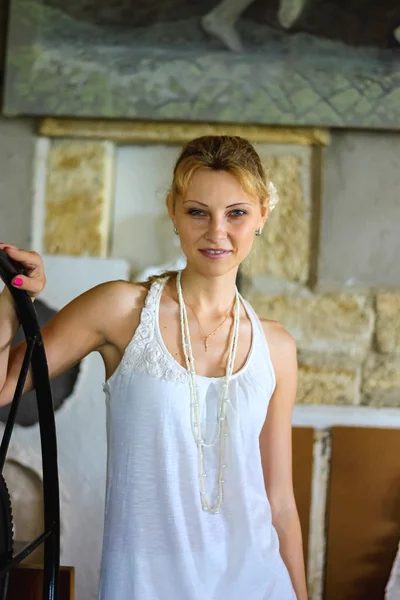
(158,542)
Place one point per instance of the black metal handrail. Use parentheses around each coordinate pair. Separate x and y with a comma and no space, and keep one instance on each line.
(35,357)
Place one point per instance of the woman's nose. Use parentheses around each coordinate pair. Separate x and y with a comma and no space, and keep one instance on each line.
(216,229)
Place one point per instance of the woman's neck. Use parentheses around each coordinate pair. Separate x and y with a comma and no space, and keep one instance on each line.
(208,295)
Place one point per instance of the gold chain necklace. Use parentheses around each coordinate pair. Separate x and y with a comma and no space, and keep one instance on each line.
(205,337)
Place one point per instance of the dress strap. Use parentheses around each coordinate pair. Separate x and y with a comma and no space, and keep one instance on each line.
(260,342)
(145,353)
(152,295)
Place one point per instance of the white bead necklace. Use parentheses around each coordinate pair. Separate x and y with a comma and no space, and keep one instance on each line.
(195,420)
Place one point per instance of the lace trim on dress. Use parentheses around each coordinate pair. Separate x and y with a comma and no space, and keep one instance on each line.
(144,353)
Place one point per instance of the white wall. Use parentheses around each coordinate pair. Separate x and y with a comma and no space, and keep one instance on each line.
(142,231)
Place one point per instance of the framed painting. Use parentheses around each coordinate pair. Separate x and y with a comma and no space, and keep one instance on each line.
(330,63)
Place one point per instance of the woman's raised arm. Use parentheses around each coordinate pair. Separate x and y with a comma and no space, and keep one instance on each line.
(83,325)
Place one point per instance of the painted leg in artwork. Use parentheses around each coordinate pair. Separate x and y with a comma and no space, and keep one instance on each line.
(220,22)
(290,11)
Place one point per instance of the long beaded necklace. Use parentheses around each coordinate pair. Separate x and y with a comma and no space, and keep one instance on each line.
(195,420)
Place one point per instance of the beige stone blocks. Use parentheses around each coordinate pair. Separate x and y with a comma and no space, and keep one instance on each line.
(332,324)
(78,197)
(283,249)
(381,381)
(348,354)
(328,380)
(334,335)
(388,322)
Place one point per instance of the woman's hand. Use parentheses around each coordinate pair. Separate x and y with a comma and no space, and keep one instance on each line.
(33,280)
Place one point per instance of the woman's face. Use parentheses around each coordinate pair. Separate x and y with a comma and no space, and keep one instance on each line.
(216,221)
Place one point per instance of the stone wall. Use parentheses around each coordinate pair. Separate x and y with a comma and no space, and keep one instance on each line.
(347,324)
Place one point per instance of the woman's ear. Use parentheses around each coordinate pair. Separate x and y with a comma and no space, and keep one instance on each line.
(265,212)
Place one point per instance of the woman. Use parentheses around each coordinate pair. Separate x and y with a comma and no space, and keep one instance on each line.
(190,374)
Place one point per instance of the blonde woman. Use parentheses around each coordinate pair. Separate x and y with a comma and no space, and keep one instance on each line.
(199,393)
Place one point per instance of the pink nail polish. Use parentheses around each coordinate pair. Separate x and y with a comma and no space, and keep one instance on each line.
(17,281)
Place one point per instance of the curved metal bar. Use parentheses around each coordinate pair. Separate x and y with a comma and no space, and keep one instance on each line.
(51,536)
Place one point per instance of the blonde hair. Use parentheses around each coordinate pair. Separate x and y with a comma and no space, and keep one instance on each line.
(232,154)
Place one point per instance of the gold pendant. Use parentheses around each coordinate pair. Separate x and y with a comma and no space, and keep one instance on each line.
(205,343)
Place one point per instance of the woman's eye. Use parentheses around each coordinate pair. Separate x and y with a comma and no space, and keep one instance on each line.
(196,212)
(238,213)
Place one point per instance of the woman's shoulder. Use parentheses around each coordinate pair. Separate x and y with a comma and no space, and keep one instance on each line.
(119,308)
(116,303)
(281,343)
(124,293)
(117,294)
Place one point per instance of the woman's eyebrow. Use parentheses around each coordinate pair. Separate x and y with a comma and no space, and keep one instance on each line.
(230,205)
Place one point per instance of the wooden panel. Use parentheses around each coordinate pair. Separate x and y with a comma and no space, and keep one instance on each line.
(303,441)
(363,512)
(26,583)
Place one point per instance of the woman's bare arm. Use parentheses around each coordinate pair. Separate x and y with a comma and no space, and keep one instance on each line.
(276,454)
(96,320)
(81,327)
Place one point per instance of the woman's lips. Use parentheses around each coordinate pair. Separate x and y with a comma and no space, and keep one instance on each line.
(215,254)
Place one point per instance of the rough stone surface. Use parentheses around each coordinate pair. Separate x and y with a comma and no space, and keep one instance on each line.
(333,324)
(330,380)
(381,384)
(283,249)
(388,322)
(78,198)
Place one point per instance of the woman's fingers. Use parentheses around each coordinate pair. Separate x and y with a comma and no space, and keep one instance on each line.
(33,279)
(28,259)
(31,285)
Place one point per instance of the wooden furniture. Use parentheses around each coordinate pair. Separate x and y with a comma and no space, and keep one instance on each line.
(363,528)
(26,583)
(303,444)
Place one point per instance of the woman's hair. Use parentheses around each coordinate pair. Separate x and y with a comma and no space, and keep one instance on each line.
(232,154)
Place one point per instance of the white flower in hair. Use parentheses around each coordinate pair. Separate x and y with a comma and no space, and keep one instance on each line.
(273,196)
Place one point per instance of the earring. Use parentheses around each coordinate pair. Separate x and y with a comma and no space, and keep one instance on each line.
(259,231)
(176,232)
